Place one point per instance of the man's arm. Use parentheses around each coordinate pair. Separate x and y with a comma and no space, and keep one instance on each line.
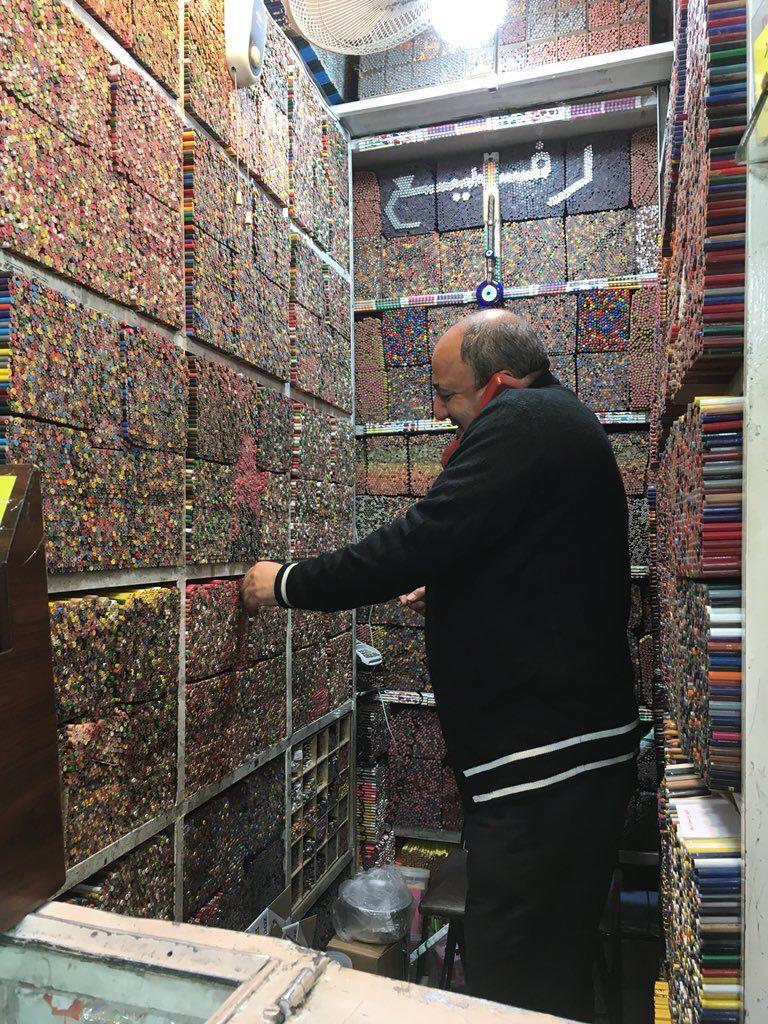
(474,502)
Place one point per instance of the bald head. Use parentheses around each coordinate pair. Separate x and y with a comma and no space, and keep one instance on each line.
(476,347)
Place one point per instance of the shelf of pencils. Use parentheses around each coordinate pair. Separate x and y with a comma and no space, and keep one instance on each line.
(701,889)
(705,334)
(630,281)
(700,489)
(702,635)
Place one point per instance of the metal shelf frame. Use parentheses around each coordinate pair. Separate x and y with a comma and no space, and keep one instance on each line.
(597,76)
(624,113)
(62,584)
(629,281)
(754,800)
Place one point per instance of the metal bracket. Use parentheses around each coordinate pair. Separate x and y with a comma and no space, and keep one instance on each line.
(294,995)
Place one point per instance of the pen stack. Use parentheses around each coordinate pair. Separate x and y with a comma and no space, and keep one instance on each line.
(139,884)
(707,234)
(234,851)
(701,874)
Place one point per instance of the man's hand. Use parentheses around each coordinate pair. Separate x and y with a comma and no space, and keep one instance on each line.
(416,600)
(258,587)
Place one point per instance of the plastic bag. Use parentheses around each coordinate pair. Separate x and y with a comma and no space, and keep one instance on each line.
(374,906)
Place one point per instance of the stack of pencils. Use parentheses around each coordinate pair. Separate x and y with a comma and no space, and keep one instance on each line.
(700,489)
(702,869)
(707,241)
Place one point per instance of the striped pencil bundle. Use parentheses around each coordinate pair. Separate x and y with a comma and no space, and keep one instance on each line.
(212,621)
(419,795)
(534,251)
(372,733)
(701,661)
(306,629)
(700,489)
(403,651)
(410,265)
(374,510)
(235,287)
(59,361)
(207,84)
(647,239)
(310,192)
(661,1013)
(339,654)
(638,531)
(366,197)
(372,829)
(702,867)
(631,451)
(313,444)
(233,862)
(113,648)
(139,884)
(337,169)
(208,511)
(262,636)
(261,709)
(600,245)
(271,239)
(212,184)
(145,136)
(643,333)
(342,463)
(387,465)
(307,279)
(322,678)
(274,431)
(154,390)
(310,696)
(219,401)
(603,380)
(603,320)
(118,771)
(424,452)
(368,266)
(462,259)
(272,148)
(310,339)
(274,503)
(103,507)
(641,644)
(391,613)
(553,317)
(409,393)
(707,220)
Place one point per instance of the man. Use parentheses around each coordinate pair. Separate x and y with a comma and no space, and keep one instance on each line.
(521,548)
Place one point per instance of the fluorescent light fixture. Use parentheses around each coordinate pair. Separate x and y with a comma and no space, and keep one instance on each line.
(467,23)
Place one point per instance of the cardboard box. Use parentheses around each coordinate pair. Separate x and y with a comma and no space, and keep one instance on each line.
(386,961)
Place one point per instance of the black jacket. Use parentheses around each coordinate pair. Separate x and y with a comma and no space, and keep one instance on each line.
(522,545)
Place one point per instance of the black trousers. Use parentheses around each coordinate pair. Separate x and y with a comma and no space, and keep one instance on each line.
(539,868)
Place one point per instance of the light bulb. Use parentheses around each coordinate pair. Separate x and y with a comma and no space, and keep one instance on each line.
(464,24)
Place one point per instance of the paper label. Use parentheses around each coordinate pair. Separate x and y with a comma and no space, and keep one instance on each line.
(6,487)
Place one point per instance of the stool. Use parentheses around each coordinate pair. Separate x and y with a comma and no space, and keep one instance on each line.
(609,950)
(446,897)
